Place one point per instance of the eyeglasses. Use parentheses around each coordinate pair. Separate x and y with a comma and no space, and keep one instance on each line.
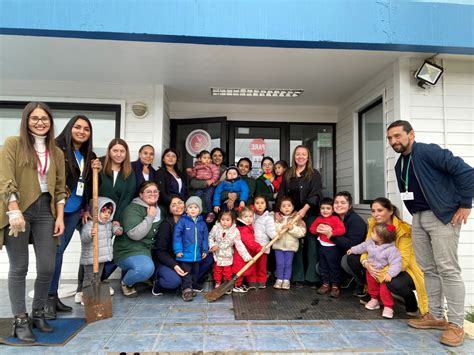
(36,119)
(267,165)
(153,192)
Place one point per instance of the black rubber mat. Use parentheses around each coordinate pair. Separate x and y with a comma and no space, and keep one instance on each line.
(303,303)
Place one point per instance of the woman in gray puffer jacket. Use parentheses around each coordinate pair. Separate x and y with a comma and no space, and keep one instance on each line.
(106,232)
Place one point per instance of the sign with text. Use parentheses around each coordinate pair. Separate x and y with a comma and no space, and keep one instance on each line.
(257,146)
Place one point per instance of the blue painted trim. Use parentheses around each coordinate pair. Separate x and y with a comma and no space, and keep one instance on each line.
(143,37)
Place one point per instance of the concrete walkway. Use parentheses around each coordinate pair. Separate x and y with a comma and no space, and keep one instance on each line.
(167,324)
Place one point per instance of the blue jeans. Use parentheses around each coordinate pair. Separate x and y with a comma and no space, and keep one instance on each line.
(137,268)
(167,278)
(70,223)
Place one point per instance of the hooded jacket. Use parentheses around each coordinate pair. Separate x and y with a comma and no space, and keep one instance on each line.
(248,238)
(264,228)
(237,185)
(105,237)
(226,239)
(205,171)
(190,238)
(446,181)
(139,231)
(381,255)
(289,240)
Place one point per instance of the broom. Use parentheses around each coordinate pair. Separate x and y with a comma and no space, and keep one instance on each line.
(228,285)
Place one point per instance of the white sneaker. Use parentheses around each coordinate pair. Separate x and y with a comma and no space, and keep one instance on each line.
(111,290)
(78,297)
(373,304)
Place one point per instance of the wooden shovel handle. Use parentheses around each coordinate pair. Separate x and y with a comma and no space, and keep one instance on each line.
(294,220)
(95,218)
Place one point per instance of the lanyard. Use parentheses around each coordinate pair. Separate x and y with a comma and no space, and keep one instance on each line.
(42,170)
(80,164)
(406,175)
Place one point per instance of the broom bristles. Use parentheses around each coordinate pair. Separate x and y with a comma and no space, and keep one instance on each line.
(220,291)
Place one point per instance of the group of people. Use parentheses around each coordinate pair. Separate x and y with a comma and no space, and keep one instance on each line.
(169,227)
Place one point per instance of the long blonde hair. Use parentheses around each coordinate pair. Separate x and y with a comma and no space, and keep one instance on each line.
(291,172)
(126,166)
(27,155)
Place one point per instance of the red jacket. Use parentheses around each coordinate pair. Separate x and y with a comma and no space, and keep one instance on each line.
(334,222)
(248,238)
(277,182)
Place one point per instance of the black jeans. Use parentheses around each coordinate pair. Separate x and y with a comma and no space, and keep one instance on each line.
(402,285)
(192,269)
(39,227)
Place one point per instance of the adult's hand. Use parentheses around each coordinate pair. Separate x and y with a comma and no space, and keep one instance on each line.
(152,210)
(325,229)
(96,164)
(85,217)
(372,270)
(232,196)
(58,227)
(180,271)
(461,216)
(16,221)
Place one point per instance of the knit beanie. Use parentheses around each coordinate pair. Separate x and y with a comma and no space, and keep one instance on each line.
(194,200)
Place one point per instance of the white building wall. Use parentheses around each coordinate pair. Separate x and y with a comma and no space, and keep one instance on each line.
(135,131)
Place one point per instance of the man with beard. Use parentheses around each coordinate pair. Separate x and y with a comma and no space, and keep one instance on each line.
(437,188)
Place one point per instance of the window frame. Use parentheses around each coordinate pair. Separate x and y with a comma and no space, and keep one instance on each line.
(378,101)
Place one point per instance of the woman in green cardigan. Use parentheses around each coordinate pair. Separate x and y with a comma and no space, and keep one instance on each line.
(132,250)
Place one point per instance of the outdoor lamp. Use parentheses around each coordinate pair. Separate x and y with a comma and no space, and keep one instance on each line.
(428,73)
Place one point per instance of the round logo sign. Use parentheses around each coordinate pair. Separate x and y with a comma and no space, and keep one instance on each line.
(198,140)
(257,146)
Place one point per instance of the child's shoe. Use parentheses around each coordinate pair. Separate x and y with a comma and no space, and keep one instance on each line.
(285,285)
(278,284)
(187,295)
(335,292)
(218,284)
(373,304)
(210,217)
(324,289)
(387,313)
(228,292)
(252,286)
(111,291)
(261,285)
(239,289)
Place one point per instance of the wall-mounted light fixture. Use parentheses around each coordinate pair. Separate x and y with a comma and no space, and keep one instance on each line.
(428,73)
(139,109)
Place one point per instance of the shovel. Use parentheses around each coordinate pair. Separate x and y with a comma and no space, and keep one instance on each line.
(228,285)
(96,297)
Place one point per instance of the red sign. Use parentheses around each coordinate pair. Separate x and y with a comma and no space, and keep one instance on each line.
(196,141)
(257,146)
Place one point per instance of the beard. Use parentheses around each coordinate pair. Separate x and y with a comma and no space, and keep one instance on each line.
(400,148)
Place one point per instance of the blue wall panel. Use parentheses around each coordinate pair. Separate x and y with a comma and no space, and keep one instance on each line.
(442,26)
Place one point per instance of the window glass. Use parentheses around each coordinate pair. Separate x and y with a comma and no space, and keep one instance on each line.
(371,143)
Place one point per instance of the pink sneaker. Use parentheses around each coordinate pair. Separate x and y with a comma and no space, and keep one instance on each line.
(387,313)
(373,304)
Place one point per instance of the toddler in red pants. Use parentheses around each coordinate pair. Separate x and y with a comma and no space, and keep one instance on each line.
(222,239)
(384,257)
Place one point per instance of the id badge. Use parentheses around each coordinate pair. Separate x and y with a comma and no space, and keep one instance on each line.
(407,196)
(80,188)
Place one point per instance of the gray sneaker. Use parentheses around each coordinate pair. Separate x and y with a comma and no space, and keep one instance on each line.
(128,291)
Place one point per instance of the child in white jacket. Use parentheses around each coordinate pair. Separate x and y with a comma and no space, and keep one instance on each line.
(264,227)
(286,247)
(222,239)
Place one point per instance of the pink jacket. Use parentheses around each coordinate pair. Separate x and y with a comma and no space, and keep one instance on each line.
(205,172)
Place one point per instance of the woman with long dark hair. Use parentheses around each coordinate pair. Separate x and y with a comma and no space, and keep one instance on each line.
(304,185)
(33,193)
(76,143)
(142,167)
(170,180)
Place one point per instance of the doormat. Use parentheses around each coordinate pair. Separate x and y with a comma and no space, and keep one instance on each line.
(303,303)
(64,330)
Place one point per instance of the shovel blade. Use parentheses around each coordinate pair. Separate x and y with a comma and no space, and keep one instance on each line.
(97,302)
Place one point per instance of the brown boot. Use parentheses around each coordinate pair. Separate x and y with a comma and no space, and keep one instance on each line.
(453,335)
(427,321)
(335,292)
(324,289)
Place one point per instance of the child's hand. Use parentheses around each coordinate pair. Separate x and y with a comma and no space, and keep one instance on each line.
(349,252)
(230,204)
(214,249)
(387,277)
(118,231)
(278,217)
(290,226)
(209,182)
(179,255)
(203,255)
(216,209)
(94,233)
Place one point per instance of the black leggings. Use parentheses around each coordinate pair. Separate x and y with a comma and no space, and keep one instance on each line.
(402,285)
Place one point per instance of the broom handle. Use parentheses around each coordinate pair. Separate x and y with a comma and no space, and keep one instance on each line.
(294,220)
(95,218)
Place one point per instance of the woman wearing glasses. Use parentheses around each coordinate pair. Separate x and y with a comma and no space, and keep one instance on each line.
(33,194)
(132,250)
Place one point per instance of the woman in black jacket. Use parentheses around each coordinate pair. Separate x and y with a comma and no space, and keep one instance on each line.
(170,180)
(76,143)
(304,185)
(142,167)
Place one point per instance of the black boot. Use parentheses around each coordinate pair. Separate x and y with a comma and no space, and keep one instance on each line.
(50,308)
(40,323)
(22,329)
(61,307)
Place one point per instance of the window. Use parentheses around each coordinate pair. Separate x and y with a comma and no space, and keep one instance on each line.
(371,152)
(105,120)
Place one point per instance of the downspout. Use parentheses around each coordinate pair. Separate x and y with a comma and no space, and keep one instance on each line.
(445,119)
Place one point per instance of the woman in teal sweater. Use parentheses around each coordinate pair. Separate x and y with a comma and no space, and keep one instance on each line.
(132,250)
